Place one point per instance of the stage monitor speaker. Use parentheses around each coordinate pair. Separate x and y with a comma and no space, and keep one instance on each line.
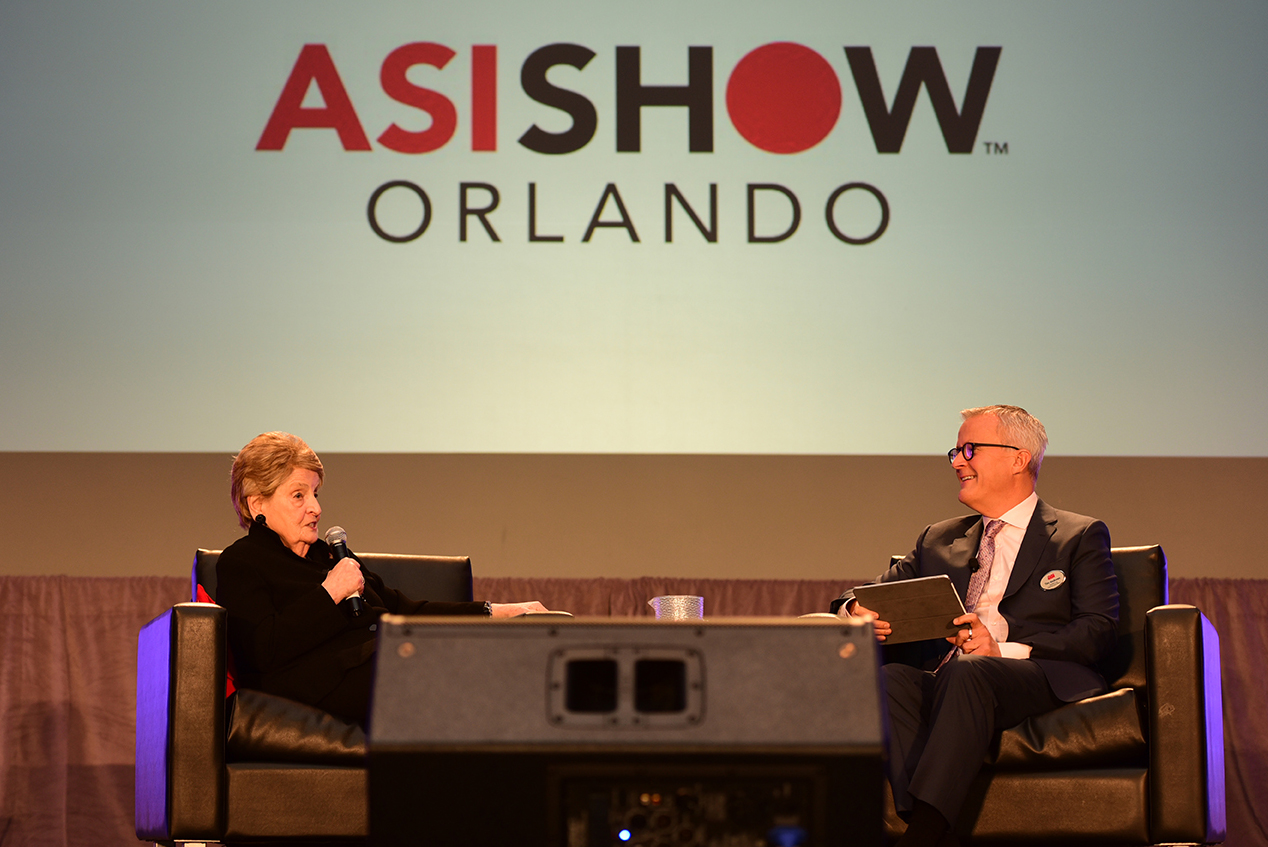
(625,733)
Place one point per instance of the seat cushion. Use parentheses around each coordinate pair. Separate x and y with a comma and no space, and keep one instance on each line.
(267,728)
(295,802)
(1077,807)
(1102,731)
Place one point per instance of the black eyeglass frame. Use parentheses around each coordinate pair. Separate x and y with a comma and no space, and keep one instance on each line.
(970,447)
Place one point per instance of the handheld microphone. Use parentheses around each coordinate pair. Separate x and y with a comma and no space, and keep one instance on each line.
(337,538)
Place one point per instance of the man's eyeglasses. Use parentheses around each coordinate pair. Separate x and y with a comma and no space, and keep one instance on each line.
(968,448)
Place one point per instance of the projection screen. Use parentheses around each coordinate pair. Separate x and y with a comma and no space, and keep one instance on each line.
(662,227)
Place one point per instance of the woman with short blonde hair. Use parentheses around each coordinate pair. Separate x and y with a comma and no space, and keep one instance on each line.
(293,629)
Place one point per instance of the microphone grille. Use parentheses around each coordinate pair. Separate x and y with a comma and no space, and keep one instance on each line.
(335,535)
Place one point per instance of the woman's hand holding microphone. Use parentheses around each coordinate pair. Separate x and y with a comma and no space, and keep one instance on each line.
(344,580)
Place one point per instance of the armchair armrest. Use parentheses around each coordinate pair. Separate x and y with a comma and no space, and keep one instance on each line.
(180,714)
(1186,727)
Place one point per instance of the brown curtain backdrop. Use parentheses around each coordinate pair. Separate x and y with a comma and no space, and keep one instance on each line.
(1238,608)
(68,702)
(68,684)
(628,597)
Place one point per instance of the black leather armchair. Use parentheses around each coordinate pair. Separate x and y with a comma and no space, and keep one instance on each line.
(1142,764)
(252,767)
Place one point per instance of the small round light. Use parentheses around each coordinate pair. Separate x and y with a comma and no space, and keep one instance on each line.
(625,835)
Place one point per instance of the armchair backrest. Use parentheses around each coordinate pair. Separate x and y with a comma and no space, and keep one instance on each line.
(417,577)
(1142,585)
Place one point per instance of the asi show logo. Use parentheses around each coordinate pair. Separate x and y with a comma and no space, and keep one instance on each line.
(783,98)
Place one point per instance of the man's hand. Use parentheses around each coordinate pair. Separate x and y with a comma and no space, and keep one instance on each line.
(880,627)
(976,640)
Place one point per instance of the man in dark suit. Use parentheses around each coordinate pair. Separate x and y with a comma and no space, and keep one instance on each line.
(1042,606)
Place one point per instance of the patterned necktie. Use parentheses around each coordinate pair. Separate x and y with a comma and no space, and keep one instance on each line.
(977,582)
(985,558)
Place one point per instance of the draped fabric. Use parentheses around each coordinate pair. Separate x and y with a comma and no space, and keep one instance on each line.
(1238,608)
(628,597)
(68,683)
(68,702)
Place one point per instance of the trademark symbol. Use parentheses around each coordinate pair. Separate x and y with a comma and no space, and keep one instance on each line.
(995,148)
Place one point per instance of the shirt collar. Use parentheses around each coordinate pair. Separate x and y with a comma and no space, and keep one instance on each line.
(1020,515)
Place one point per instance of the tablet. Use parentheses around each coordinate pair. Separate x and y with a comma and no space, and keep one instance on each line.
(917,609)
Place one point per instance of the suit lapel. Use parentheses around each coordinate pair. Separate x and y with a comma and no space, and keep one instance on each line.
(1043,523)
(962,554)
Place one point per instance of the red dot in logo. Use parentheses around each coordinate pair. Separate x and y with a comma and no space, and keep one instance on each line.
(783,97)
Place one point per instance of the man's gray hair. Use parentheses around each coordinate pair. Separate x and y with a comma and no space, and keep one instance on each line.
(1019,428)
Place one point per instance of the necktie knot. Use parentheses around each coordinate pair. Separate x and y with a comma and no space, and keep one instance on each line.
(993,527)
